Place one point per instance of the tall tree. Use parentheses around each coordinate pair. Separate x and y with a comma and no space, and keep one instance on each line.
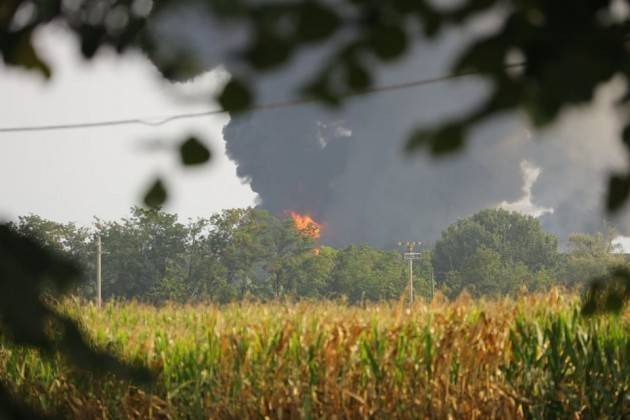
(140,252)
(285,246)
(367,273)
(69,239)
(497,238)
(309,273)
(234,239)
(591,256)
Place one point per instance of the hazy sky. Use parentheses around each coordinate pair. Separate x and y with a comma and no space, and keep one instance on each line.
(75,175)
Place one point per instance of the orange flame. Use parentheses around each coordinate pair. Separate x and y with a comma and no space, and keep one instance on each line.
(306,224)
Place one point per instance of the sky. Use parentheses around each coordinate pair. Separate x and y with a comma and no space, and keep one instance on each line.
(76,175)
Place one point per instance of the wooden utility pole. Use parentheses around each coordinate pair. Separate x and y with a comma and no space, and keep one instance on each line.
(410,255)
(99,252)
(410,281)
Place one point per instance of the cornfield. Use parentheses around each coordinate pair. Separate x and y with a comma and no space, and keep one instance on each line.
(529,357)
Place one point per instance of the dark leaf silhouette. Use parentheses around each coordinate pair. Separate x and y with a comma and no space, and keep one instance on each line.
(316,22)
(32,277)
(156,195)
(625,136)
(618,192)
(17,49)
(320,90)
(236,96)
(12,409)
(608,293)
(194,152)
(388,42)
(267,52)
(358,76)
(443,141)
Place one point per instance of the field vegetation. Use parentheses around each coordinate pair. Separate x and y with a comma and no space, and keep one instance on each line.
(532,356)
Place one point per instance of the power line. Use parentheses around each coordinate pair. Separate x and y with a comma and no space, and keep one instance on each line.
(155,122)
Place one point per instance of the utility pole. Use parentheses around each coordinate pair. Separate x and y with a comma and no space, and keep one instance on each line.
(99,252)
(410,281)
(432,284)
(410,255)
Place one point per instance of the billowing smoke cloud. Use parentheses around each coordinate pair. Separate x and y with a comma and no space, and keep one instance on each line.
(350,172)
(346,166)
(524,204)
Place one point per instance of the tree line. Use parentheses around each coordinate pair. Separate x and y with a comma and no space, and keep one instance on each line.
(249,253)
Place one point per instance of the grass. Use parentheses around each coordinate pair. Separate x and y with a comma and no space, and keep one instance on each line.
(531,357)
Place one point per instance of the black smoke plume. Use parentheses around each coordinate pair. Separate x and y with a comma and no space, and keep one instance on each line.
(347,168)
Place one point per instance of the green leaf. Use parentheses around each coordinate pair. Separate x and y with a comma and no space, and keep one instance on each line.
(22,53)
(625,136)
(321,91)
(618,192)
(442,141)
(236,96)
(388,42)
(268,51)
(358,77)
(156,195)
(607,293)
(194,152)
(316,22)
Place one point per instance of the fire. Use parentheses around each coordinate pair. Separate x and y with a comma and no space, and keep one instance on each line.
(306,224)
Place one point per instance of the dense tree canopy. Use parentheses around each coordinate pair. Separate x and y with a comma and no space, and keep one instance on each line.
(249,253)
(591,256)
(231,255)
(493,251)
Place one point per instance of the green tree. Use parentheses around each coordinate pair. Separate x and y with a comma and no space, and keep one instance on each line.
(504,241)
(423,274)
(141,252)
(204,275)
(487,273)
(32,277)
(284,247)
(310,272)
(68,239)
(235,241)
(367,273)
(591,256)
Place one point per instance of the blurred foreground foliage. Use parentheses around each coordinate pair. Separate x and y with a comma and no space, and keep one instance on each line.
(31,278)
(566,49)
(608,293)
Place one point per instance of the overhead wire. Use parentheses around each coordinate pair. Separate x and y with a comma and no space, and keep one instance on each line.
(160,121)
